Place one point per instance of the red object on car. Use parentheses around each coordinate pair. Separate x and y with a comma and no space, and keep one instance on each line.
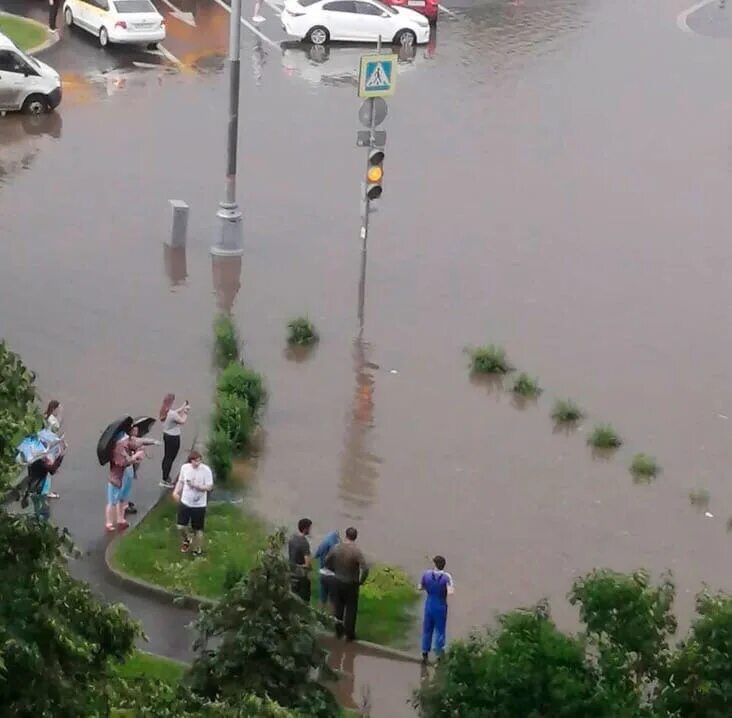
(428,8)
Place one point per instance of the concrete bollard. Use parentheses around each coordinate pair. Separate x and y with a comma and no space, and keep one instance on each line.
(179,231)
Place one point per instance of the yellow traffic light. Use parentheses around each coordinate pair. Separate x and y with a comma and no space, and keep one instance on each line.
(375,174)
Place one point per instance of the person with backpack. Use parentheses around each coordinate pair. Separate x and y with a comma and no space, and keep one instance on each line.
(437,584)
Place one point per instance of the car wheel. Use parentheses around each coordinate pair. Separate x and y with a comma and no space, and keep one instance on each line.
(103,37)
(405,37)
(35,105)
(318,35)
(68,17)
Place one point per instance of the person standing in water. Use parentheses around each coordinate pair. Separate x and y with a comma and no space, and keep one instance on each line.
(437,584)
(172,420)
(52,419)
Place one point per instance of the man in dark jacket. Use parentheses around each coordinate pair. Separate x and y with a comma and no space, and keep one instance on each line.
(350,570)
(53,6)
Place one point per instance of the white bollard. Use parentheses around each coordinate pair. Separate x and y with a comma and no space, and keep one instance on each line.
(179,231)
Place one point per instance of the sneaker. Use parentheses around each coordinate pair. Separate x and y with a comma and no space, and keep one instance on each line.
(166,484)
(53,495)
(425,659)
(185,546)
(258,18)
(197,553)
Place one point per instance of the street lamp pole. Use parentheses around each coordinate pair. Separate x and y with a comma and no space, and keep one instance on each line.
(230,240)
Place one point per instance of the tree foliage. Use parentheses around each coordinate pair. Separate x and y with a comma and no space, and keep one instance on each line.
(622,665)
(265,639)
(19,415)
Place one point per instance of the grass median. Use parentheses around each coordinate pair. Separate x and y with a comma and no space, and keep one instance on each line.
(24,33)
(151,552)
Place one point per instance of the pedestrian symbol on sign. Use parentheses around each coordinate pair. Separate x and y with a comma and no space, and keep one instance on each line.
(378,75)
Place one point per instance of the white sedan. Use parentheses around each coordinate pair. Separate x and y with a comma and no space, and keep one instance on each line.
(123,21)
(319,21)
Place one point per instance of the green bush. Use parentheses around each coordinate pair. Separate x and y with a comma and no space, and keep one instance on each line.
(226,340)
(644,467)
(220,455)
(603,436)
(239,381)
(490,359)
(526,387)
(233,419)
(301,332)
(565,411)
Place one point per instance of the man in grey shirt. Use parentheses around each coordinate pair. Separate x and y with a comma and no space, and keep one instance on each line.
(298,551)
(351,570)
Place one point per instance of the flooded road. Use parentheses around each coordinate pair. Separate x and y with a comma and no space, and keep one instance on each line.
(556,181)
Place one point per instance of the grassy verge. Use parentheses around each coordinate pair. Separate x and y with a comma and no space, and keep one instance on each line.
(143,664)
(151,552)
(23,33)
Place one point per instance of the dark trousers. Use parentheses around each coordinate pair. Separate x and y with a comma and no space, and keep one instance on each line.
(171,445)
(345,607)
(53,13)
(301,587)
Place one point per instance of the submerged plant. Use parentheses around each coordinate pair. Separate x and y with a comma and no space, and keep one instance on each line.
(490,359)
(565,411)
(226,340)
(644,466)
(526,387)
(302,332)
(699,498)
(603,436)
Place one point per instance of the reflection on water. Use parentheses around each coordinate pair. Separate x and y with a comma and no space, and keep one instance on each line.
(226,273)
(18,146)
(174,259)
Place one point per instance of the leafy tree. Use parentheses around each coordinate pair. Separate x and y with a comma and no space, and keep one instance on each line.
(56,638)
(19,414)
(266,641)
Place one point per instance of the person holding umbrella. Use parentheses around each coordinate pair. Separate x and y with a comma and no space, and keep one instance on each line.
(140,427)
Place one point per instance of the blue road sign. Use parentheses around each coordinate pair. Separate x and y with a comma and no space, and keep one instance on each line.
(377,76)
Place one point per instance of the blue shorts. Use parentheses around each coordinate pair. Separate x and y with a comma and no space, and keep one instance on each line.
(127,478)
(114,494)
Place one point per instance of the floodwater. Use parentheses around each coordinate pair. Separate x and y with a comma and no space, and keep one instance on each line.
(557,182)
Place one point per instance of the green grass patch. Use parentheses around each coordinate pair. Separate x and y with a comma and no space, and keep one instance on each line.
(151,551)
(23,33)
(565,411)
(226,340)
(526,387)
(147,665)
(489,359)
(301,332)
(603,436)
(645,467)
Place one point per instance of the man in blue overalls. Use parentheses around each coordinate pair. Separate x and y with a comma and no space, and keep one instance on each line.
(437,584)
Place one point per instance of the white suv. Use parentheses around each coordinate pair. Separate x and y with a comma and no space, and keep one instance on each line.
(123,21)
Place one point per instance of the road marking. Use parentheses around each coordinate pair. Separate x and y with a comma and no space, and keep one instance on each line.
(454,14)
(168,55)
(682,17)
(186,17)
(275,6)
(248,25)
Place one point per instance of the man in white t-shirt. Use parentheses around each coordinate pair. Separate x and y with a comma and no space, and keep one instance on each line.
(195,482)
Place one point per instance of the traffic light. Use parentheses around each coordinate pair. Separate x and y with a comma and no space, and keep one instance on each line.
(375,174)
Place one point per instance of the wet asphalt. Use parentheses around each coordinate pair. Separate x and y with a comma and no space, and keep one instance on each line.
(556,180)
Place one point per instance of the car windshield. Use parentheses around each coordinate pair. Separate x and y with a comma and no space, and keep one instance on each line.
(305,3)
(29,58)
(384,8)
(135,6)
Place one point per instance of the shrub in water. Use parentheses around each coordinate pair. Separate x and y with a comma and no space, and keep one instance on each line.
(301,332)
(240,381)
(234,420)
(526,387)
(226,340)
(699,497)
(219,455)
(604,436)
(644,467)
(565,411)
(489,359)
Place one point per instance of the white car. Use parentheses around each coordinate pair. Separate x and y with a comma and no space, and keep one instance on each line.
(123,21)
(320,21)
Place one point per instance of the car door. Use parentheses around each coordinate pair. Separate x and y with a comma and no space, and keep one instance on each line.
(340,19)
(372,23)
(96,14)
(12,80)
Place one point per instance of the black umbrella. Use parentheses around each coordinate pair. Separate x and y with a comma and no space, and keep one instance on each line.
(143,424)
(106,440)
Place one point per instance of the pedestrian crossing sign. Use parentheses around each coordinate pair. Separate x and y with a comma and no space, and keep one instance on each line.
(377,76)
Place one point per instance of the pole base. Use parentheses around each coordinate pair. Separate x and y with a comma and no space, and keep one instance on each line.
(230,239)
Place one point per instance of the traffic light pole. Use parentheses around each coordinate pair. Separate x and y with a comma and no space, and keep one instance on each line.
(365,201)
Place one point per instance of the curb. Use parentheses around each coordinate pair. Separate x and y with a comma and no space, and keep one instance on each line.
(162,595)
(52,36)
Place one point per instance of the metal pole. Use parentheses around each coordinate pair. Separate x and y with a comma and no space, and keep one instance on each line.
(230,240)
